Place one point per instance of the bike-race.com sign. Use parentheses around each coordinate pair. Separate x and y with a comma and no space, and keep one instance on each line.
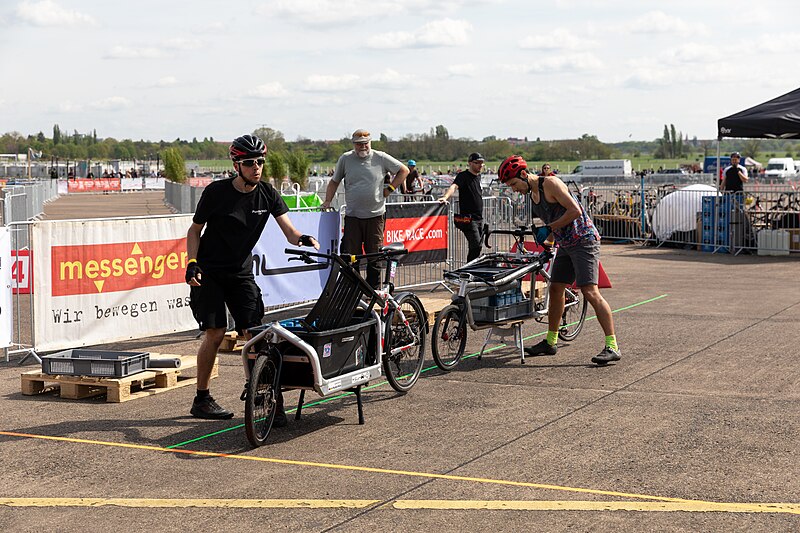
(422,227)
(102,281)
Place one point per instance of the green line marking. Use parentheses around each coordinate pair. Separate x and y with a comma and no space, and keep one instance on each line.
(382,383)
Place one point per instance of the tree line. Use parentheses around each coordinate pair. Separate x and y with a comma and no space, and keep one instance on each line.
(434,145)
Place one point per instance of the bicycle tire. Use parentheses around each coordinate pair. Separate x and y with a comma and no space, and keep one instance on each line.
(260,404)
(451,330)
(403,369)
(573,317)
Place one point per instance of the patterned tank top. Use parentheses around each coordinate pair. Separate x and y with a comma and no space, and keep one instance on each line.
(580,229)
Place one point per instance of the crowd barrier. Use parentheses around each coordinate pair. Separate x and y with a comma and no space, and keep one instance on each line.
(699,217)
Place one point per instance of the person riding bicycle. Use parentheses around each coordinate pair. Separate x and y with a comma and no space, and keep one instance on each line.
(578,257)
(219,270)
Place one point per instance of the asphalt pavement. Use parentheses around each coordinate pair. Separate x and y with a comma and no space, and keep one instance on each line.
(695,429)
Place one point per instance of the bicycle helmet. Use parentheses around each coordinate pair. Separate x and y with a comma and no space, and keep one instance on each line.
(412,163)
(246,147)
(510,168)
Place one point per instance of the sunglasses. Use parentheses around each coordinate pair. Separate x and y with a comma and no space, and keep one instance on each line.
(252,162)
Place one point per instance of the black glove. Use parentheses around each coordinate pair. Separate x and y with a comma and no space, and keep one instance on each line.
(306,240)
(193,270)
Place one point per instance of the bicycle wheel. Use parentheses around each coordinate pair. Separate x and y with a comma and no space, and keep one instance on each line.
(260,405)
(402,366)
(574,314)
(449,337)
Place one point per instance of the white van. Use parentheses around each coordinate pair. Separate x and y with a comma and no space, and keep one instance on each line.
(780,168)
(602,168)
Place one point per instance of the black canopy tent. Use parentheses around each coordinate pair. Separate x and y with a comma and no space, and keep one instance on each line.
(778,118)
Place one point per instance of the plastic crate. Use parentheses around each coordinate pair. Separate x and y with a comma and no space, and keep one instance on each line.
(501,313)
(339,350)
(95,363)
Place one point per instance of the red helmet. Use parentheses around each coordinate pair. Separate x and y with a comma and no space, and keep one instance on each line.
(510,168)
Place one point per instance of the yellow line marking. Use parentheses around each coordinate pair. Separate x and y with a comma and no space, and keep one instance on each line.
(442,505)
(792,508)
(174,502)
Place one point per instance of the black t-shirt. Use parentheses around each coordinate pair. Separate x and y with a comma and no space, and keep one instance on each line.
(234,221)
(411,181)
(733,182)
(470,201)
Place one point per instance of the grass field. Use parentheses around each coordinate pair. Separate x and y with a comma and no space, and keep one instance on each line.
(638,163)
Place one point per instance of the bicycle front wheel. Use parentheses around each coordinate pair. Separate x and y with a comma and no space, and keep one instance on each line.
(574,314)
(449,337)
(405,350)
(260,405)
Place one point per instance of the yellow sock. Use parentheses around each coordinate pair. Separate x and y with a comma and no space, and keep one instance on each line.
(611,342)
(552,338)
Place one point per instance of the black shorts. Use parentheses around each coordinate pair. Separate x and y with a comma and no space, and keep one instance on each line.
(238,291)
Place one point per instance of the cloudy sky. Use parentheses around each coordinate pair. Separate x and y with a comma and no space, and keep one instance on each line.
(552,69)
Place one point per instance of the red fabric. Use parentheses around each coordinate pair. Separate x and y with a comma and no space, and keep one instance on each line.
(602,278)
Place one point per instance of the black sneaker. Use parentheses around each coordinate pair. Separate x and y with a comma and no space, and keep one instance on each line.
(541,348)
(209,409)
(280,419)
(606,356)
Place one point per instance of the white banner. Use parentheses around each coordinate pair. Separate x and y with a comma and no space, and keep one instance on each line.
(6,306)
(100,281)
(131,184)
(284,282)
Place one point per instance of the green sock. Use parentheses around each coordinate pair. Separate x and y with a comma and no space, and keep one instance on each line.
(552,338)
(611,342)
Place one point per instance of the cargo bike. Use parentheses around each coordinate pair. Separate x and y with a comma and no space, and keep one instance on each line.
(352,335)
(489,296)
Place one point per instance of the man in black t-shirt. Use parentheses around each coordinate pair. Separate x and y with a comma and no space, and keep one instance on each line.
(233,211)
(735,176)
(469,218)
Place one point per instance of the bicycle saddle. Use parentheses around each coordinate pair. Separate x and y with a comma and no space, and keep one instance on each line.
(393,247)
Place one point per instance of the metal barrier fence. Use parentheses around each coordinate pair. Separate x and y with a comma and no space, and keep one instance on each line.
(764,218)
(24,202)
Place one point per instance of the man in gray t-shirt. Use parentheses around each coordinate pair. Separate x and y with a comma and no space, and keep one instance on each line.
(362,171)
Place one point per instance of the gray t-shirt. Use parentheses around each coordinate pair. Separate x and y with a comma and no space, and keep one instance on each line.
(363,182)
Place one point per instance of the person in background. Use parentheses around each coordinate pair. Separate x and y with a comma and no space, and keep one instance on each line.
(469,219)
(546,170)
(578,257)
(413,183)
(219,268)
(362,169)
(734,176)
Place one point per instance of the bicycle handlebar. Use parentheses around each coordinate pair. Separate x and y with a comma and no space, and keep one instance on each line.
(349,259)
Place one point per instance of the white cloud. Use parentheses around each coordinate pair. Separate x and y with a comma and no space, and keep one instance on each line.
(388,79)
(69,107)
(182,43)
(465,69)
(692,53)
(268,90)
(659,22)
(562,63)
(133,52)
(334,13)
(438,33)
(112,103)
(779,43)
(330,84)
(166,81)
(557,39)
(48,13)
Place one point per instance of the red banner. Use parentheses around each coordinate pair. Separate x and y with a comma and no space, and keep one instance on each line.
(199,182)
(21,272)
(93,185)
(421,227)
(101,268)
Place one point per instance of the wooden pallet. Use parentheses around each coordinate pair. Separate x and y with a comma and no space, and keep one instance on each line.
(139,385)
(232,342)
